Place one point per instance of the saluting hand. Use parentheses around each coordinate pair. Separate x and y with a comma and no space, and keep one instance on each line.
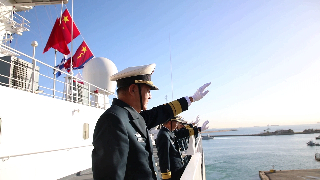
(199,94)
(196,121)
(204,126)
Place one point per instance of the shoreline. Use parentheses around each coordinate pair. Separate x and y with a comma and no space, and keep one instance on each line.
(258,134)
(215,131)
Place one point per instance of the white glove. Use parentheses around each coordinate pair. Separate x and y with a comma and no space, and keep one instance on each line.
(204,126)
(197,120)
(199,94)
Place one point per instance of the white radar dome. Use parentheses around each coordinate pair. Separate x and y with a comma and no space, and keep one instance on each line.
(97,71)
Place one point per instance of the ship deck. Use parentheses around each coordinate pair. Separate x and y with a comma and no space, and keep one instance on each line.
(87,174)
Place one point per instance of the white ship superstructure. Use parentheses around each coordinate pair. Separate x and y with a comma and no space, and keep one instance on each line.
(45,133)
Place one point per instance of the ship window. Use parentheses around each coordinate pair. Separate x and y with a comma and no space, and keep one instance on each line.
(85,131)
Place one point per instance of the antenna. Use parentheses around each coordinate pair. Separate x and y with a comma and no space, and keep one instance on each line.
(171,68)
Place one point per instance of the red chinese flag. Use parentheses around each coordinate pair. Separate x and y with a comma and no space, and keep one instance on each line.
(66,22)
(82,56)
(56,40)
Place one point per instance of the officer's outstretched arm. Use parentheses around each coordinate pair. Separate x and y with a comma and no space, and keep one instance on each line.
(162,113)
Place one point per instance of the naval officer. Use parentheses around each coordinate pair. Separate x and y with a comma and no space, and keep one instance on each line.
(169,146)
(122,146)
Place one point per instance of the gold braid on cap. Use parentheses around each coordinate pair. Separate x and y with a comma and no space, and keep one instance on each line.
(143,82)
(166,175)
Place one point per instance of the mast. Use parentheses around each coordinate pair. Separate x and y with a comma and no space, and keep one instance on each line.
(71,66)
(171,69)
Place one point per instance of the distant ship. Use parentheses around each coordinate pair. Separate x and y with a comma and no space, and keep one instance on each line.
(207,137)
(274,125)
(311,143)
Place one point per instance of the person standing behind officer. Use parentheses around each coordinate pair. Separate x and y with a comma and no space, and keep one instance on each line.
(122,146)
(170,160)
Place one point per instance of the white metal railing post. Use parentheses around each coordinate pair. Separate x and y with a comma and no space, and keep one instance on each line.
(67,87)
(12,12)
(89,99)
(76,83)
(34,44)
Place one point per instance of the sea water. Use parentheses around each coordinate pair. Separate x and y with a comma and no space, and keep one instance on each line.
(242,157)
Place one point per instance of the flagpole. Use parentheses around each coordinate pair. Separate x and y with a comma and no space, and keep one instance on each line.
(71,66)
(61,11)
(54,74)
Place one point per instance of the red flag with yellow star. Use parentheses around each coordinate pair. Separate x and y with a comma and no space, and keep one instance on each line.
(66,22)
(56,40)
(82,56)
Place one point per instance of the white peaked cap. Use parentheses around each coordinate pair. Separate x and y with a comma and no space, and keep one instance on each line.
(133,71)
(135,75)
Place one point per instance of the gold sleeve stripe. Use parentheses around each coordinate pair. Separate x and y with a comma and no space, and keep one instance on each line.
(176,107)
(173,110)
(191,131)
(166,175)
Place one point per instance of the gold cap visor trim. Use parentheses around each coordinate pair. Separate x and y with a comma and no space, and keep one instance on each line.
(149,83)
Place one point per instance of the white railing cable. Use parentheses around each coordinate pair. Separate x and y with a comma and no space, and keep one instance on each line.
(8,157)
(4,83)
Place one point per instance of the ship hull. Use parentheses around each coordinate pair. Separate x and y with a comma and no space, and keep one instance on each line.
(43,137)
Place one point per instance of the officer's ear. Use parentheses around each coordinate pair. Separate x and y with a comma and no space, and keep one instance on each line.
(132,89)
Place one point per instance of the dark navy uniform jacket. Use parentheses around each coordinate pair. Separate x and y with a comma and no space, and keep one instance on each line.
(169,157)
(122,146)
(182,137)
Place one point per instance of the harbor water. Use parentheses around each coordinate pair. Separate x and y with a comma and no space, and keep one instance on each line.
(242,157)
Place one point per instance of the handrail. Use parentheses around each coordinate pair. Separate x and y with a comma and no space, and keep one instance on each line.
(197,142)
(85,99)
(74,77)
(5,158)
(195,167)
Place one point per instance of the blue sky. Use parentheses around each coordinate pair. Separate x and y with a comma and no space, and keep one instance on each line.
(262,57)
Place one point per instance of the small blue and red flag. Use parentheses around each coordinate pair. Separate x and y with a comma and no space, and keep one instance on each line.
(82,56)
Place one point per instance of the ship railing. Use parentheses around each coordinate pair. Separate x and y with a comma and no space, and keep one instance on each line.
(12,21)
(26,76)
(195,169)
